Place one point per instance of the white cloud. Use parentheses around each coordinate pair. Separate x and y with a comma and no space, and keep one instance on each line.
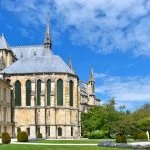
(103,25)
(125,89)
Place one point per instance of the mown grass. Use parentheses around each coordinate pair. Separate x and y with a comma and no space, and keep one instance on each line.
(82,141)
(49,147)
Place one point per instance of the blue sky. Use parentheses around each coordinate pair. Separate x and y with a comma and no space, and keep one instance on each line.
(111,36)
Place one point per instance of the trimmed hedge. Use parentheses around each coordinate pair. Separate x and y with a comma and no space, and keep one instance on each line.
(140,136)
(22,136)
(96,135)
(121,139)
(6,138)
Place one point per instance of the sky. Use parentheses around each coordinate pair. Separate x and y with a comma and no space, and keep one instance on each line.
(110,36)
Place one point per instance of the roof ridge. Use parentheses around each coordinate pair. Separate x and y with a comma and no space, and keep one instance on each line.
(26,46)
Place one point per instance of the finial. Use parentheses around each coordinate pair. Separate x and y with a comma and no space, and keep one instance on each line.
(92,76)
(34,53)
(21,55)
(70,63)
(47,40)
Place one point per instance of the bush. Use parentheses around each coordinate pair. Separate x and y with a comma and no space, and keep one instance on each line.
(140,136)
(18,135)
(85,135)
(121,139)
(96,135)
(23,136)
(143,136)
(6,138)
(39,135)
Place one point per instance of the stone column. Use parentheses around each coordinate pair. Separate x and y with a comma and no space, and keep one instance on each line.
(53,132)
(43,131)
(23,92)
(42,93)
(68,132)
(32,132)
(33,92)
(52,93)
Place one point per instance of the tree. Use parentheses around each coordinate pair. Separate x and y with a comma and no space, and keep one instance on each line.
(93,119)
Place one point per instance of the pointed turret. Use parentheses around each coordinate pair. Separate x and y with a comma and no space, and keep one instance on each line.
(47,39)
(70,64)
(92,76)
(7,56)
(3,43)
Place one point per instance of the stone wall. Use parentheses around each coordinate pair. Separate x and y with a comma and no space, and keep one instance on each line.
(5,108)
(53,116)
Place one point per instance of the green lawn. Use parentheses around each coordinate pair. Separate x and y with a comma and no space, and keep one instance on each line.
(84,141)
(47,147)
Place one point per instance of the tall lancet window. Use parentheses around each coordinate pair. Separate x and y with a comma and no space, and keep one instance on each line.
(17,93)
(71,93)
(48,92)
(28,93)
(60,92)
(38,92)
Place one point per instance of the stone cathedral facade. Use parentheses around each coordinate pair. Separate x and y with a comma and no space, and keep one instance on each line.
(46,94)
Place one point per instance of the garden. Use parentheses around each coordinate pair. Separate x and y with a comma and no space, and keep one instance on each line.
(103,127)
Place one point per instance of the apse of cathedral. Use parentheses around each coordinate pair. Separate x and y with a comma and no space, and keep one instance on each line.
(47,96)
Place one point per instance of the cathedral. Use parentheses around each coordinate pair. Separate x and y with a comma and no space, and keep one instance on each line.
(45,94)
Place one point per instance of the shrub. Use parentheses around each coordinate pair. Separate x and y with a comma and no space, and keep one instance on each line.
(39,135)
(6,138)
(18,135)
(143,136)
(96,135)
(85,135)
(23,136)
(140,136)
(121,139)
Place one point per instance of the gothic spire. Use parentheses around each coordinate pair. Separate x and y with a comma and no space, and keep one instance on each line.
(3,43)
(92,76)
(47,39)
(70,63)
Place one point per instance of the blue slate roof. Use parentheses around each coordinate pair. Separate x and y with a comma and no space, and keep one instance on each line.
(36,59)
(43,64)
(30,51)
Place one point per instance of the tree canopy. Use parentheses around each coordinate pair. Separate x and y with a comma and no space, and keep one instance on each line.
(108,119)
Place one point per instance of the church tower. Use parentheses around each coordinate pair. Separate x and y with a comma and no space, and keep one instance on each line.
(91,89)
(7,57)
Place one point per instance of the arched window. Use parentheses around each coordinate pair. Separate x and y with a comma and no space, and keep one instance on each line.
(71,93)
(60,92)
(71,131)
(28,93)
(48,92)
(59,131)
(39,92)
(17,93)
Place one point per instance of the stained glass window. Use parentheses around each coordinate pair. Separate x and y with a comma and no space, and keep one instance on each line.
(71,92)
(48,92)
(17,93)
(59,131)
(39,92)
(60,92)
(28,93)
